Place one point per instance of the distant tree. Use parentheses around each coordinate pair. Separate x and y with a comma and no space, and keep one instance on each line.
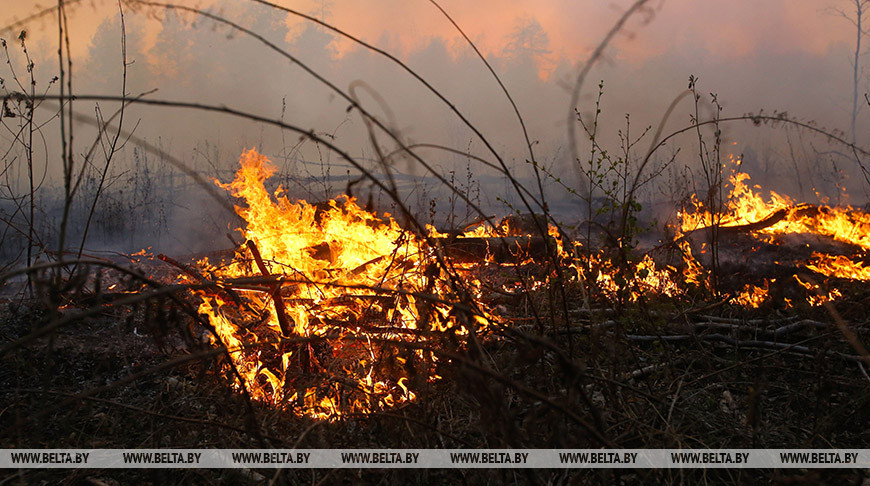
(325,9)
(102,69)
(529,39)
(855,14)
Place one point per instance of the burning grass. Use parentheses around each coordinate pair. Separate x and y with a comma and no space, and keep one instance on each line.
(772,221)
(746,209)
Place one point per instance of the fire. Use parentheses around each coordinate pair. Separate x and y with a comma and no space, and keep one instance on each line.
(328,309)
(838,266)
(694,272)
(815,295)
(752,296)
(777,215)
(642,278)
(746,209)
(745,206)
(327,296)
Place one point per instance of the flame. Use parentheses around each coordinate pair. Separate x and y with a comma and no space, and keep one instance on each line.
(752,296)
(745,206)
(765,218)
(777,215)
(694,273)
(324,295)
(348,282)
(144,252)
(838,266)
(640,278)
(815,296)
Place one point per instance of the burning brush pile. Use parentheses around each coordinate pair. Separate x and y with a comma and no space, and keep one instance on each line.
(328,309)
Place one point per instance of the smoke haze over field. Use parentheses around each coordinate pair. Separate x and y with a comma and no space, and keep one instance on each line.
(785,55)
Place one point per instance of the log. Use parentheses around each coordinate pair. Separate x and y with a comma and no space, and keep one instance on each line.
(510,249)
(302,350)
(801,210)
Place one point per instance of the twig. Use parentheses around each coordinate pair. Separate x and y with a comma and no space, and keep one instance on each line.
(758,358)
(674,403)
(705,308)
(280,311)
(788,328)
(200,277)
(847,332)
(863,371)
(641,372)
(113,146)
(73,317)
(753,326)
(420,422)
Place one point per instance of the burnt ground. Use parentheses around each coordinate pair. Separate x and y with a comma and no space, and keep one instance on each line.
(692,371)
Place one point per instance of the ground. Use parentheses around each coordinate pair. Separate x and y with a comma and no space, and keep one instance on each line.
(142,376)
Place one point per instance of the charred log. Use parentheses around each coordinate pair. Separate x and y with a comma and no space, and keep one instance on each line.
(510,249)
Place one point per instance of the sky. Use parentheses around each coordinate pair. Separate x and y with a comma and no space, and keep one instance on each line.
(725,29)
(791,56)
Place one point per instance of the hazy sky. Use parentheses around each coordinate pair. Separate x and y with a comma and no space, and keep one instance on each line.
(786,55)
(726,30)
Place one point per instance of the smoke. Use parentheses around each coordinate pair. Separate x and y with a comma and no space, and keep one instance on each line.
(751,58)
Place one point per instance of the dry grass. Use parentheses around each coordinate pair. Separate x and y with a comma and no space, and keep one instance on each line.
(148,384)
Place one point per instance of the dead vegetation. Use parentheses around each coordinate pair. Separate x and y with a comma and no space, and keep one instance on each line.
(665,373)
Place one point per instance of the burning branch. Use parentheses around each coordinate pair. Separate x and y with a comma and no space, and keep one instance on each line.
(280,311)
(187,269)
(792,213)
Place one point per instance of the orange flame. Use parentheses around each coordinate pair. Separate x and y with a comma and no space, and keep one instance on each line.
(838,266)
(344,277)
(815,295)
(745,206)
(778,215)
(644,278)
(752,296)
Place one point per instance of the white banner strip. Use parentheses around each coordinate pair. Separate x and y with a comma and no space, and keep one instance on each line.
(434,458)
